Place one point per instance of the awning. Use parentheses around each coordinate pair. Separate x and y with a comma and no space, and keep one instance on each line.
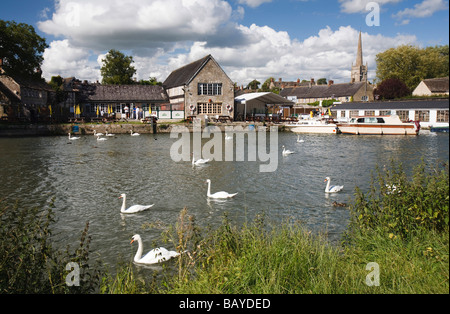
(262,99)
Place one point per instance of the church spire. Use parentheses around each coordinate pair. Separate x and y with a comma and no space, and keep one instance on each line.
(359,55)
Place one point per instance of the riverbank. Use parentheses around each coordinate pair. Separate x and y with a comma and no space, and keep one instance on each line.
(20,130)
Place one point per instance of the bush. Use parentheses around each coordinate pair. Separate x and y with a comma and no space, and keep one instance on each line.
(29,263)
(392,88)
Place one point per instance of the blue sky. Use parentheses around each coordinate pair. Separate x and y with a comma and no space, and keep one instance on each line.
(251,39)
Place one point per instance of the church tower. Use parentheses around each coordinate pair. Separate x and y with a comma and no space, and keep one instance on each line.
(359,70)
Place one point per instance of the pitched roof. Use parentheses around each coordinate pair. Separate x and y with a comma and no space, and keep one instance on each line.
(437,85)
(322,91)
(184,75)
(127,93)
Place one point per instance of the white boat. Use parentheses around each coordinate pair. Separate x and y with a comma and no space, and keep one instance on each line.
(381,125)
(324,126)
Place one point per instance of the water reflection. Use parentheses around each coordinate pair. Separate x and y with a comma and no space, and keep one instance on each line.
(84,179)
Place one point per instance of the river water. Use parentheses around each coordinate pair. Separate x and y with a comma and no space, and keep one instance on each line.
(86,177)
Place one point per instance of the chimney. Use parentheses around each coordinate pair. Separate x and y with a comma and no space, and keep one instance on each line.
(330,82)
(280,80)
(312,83)
(298,81)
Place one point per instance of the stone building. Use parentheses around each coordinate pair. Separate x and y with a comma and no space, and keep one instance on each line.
(201,88)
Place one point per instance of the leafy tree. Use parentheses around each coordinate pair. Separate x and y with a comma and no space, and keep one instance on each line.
(151,81)
(117,69)
(266,87)
(322,81)
(21,49)
(253,85)
(392,88)
(412,64)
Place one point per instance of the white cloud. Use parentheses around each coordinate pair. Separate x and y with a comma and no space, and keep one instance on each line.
(60,58)
(357,6)
(253,3)
(424,9)
(120,24)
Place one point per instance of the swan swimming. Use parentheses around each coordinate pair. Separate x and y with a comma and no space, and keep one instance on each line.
(73,138)
(155,256)
(286,152)
(109,134)
(218,195)
(133,209)
(299,140)
(97,134)
(199,161)
(333,188)
(100,138)
(134,134)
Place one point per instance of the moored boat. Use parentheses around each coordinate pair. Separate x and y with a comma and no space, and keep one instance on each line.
(381,125)
(322,126)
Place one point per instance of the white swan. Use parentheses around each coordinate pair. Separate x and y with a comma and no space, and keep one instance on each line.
(155,256)
(100,138)
(299,140)
(133,209)
(109,134)
(199,161)
(333,188)
(73,138)
(286,152)
(97,134)
(134,134)
(219,195)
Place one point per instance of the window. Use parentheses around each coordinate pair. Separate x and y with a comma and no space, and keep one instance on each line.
(442,116)
(403,115)
(343,114)
(369,113)
(422,115)
(385,112)
(209,108)
(210,89)
(354,113)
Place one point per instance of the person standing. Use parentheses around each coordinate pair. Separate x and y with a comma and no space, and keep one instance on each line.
(126,109)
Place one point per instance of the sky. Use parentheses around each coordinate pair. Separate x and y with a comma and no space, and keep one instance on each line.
(250,39)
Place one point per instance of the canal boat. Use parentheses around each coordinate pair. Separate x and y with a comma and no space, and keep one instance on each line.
(315,125)
(379,125)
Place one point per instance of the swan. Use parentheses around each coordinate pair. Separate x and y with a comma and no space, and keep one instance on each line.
(97,134)
(109,134)
(219,195)
(134,134)
(286,152)
(333,188)
(155,256)
(133,209)
(299,140)
(73,138)
(199,161)
(100,138)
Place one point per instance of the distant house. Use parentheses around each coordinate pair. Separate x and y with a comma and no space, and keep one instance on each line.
(431,87)
(24,99)
(122,101)
(201,88)
(344,92)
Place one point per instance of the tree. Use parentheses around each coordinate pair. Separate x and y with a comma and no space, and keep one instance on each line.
(21,49)
(117,69)
(151,81)
(253,85)
(392,88)
(412,64)
(322,81)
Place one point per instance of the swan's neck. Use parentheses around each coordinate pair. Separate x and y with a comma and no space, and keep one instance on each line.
(328,185)
(138,255)
(209,189)
(123,204)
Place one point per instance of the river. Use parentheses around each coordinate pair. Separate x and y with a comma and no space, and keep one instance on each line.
(84,178)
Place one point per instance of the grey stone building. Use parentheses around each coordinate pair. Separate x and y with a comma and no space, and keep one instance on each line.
(201,88)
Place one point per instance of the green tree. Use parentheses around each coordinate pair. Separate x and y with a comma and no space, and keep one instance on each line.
(117,69)
(253,85)
(412,64)
(322,81)
(21,49)
(151,81)
(392,88)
